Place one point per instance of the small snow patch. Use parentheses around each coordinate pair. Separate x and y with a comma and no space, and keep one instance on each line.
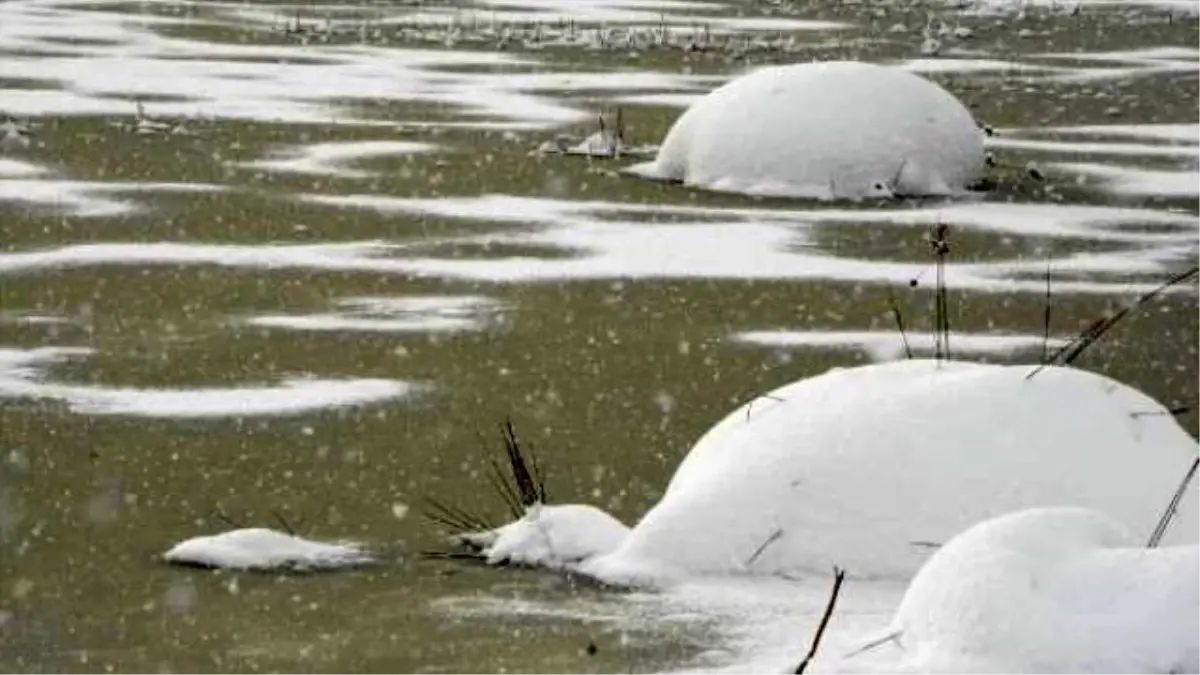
(263,549)
(11,168)
(330,159)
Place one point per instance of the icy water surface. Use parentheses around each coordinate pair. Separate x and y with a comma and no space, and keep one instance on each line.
(324,257)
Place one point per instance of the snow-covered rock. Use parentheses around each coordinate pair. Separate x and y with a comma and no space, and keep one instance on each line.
(1050,591)
(872,468)
(553,536)
(827,130)
(260,548)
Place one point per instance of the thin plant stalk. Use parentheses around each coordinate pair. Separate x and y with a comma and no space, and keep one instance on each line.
(1164,521)
(895,307)
(839,575)
(941,312)
(1046,319)
(518,482)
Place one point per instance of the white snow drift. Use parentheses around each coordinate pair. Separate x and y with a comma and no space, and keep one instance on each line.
(1059,590)
(258,548)
(830,130)
(873,467)
(551,536)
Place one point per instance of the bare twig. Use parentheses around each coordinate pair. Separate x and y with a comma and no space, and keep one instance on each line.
(839,575)
(1165,520)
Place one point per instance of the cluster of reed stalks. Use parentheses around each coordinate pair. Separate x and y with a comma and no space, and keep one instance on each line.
(516,479)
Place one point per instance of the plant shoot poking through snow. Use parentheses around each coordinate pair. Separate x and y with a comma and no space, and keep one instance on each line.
(839,576)
(519,483)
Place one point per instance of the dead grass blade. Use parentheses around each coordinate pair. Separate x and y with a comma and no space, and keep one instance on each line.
(1172,412)
(528,490)
(457,520)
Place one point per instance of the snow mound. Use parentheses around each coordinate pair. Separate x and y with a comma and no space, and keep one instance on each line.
(263,549)
(554,536)
(829,130)
(1050,591)
(873,468)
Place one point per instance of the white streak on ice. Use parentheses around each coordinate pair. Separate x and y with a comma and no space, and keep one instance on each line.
(413,314)
(21,377)
(888,346)
(330,159)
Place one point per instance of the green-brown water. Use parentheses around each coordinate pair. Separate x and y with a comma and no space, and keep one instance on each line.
(610,369)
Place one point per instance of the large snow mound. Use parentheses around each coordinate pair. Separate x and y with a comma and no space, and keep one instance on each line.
(1051,591)
(871,468)
(258,548)
(828,130)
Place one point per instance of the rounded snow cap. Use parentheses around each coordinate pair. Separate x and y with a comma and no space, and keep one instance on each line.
(825,130)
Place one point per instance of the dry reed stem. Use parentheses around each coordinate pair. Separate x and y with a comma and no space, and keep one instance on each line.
(1046,318)
(839,575)
(895,307)
(520,485)
(1165,520)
